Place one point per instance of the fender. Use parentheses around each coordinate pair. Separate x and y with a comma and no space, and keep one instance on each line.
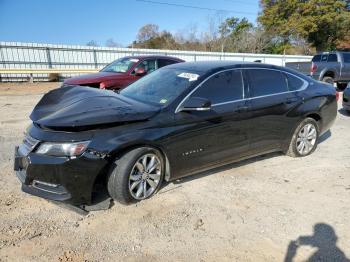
(309,107)
(329,70)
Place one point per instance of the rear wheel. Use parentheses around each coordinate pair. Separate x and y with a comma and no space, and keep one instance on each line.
(137,175)
(328,79)
(305,138)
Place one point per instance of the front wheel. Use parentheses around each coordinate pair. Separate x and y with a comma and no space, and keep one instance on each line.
(137,175)
(305,138)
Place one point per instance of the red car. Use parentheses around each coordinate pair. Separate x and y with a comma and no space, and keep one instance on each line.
(122,72)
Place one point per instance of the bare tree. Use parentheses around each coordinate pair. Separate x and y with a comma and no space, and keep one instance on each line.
(147,32)
(111,43)
(254,40)
(92,43)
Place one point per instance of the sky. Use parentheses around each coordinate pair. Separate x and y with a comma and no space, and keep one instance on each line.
(79,21)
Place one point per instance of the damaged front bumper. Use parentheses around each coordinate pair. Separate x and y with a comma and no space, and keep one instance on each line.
(63,179)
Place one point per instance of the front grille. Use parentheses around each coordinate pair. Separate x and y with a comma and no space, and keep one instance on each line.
(29,143)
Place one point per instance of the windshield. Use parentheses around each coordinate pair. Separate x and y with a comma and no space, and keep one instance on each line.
(121,65)
(160,87)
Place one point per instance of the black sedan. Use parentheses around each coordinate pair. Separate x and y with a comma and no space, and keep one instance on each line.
(179,120)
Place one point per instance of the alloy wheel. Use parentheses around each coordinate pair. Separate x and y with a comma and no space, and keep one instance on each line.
(145,176)
(306,140)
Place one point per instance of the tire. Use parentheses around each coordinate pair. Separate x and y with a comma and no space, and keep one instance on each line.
(126,171)
(341,87)
(296,141)
(328,79)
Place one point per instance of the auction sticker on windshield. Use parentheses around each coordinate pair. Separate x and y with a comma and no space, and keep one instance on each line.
(190,76)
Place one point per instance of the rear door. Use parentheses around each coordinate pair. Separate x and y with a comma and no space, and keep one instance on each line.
(271,98)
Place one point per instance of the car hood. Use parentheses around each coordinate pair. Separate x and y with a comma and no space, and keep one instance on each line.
(93,78)
(80,107)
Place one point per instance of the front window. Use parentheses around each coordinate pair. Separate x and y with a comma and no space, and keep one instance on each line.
(161,87)
(222,87)
(148,65)
(121,65)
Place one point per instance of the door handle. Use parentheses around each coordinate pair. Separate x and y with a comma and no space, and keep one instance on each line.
(291,100)
(242,109)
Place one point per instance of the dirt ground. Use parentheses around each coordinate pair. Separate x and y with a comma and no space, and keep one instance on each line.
(254,210)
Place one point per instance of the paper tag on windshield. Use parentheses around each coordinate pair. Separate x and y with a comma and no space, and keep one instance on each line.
(134,60)
(190,76)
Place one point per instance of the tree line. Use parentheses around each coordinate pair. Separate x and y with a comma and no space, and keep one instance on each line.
(283,27)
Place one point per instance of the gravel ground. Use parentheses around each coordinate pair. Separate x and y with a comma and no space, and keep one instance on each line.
(265,209)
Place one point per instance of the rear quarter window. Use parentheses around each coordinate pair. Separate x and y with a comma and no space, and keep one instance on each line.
(294,83)
(266,82)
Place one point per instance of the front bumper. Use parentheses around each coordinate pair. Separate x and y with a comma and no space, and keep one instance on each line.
(64,179)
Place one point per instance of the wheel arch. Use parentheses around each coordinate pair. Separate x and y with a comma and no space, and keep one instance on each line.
(330,72)
(315,115)
(102,176)
(117,153)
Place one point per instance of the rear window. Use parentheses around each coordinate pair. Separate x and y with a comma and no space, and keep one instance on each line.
(266,82)
(165,62)
(346,57)
(317,58)
(324,58)
(332,58)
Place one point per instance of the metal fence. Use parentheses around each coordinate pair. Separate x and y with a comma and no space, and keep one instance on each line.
(15,55)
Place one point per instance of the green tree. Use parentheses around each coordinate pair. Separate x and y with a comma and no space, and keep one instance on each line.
(322,23)
(231,29)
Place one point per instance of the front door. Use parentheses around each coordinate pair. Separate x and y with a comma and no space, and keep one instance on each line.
(206,138)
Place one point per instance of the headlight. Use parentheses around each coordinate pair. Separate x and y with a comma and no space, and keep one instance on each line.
(62,149)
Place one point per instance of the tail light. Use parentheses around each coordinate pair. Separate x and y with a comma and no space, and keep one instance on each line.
(337,95)
(102,85)
(313,68)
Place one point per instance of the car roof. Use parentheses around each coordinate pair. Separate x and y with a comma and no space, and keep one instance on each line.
(204,66)
(154,56)
(210,67)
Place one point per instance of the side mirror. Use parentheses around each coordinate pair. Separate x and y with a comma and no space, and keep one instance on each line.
(140,71)
(196,104)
